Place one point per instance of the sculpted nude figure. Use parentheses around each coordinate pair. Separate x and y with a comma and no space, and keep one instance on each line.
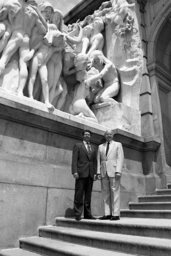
(48,59)
(82,48)
(22,19)
(79,105)
(92,40)
(39,63)
(81,59)
(57,86)
(109,75)
(5,32)
(97,39)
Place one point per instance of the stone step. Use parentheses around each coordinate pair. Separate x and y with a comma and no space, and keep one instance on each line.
(131,226)
(51,247)
(150,206)
(140,245)
(163,214)
(17,252)
(163,191)
(155,198)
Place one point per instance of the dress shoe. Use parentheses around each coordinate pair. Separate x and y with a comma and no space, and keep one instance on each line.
(90,218)
(77,218)
(105,217)
(115,218)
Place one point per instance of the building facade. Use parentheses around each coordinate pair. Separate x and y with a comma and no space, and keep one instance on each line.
(36,184)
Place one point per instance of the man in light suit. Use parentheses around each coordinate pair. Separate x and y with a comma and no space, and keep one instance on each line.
(84,170)
(109,166)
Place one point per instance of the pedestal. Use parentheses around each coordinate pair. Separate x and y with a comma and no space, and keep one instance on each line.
(118,116)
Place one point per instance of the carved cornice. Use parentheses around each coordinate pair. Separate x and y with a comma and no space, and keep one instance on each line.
(155,69)
(81,10)
(163,74)
(85,8)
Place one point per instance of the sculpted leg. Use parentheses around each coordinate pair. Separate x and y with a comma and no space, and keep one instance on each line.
(25,49)
(45,87)
(11,47)
(23,68)
(2,29)
(23,76)
(107,94)
(80,106)
(63,94)
(34,69)
(54,82)
(54,72)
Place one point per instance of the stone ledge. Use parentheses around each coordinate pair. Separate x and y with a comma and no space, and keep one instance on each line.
(136,142)
(35,114)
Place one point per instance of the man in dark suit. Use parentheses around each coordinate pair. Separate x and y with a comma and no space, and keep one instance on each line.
(84,169)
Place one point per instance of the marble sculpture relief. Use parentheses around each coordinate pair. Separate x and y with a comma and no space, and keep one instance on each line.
(102,54)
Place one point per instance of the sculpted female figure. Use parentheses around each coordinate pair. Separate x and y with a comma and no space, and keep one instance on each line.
(79,105)
(109,75)
(72,49)
(82,48)
(97,39)
(81,59)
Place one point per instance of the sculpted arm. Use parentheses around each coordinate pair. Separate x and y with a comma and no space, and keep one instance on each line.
(3,13)
(96,42)
(93,79)
(75,39)
(106,68)
(5,38)
(41,24)
(85,44)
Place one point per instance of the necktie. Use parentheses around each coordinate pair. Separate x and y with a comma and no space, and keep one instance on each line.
(107,148)
(88,147)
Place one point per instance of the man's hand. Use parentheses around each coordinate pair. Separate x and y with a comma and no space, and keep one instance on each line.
(75,175)
(99,177)
(95,177)
(117,175)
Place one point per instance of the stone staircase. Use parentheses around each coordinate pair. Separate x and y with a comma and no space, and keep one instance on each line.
(144,230)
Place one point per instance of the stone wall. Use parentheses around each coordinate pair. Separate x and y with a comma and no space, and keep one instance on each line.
(36,184)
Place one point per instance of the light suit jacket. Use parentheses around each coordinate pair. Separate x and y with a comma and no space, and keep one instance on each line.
(111,163)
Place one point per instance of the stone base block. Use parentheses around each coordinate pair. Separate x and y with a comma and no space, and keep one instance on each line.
(118,116)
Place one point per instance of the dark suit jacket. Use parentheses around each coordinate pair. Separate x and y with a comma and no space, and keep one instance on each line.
(83,163)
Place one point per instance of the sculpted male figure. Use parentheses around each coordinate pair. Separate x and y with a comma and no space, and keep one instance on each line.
(84,168)
(5,33)
(22,18)
(109,167)
(109,75)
